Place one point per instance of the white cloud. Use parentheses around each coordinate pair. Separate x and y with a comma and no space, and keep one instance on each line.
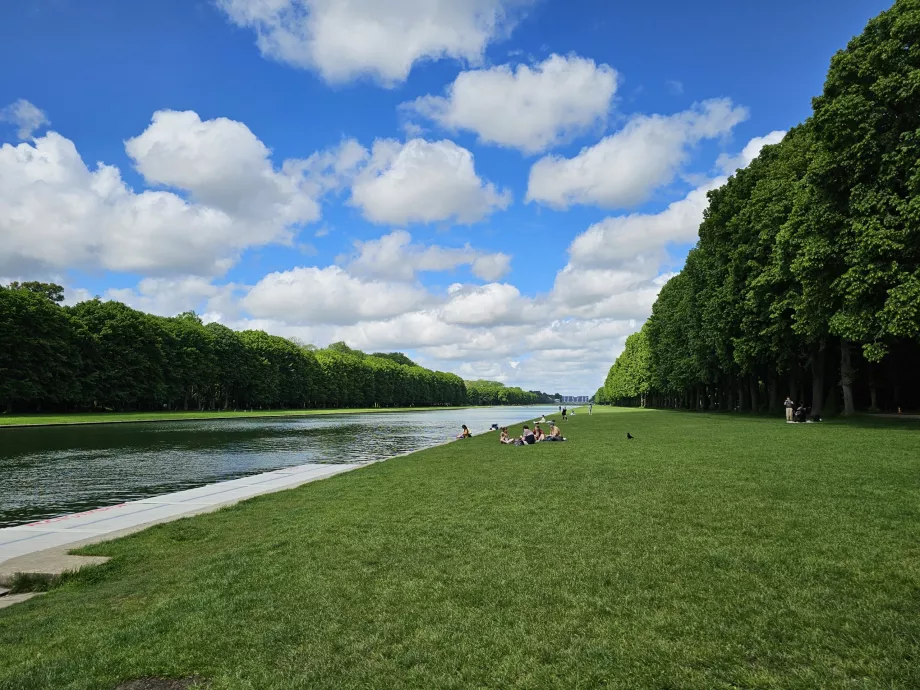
(57,213)
(25,116)
(394,257)
(423,182)
(528,108)
(492,267)
(333,169)
(488,305)
(624,240)
(563,340)
(624,168)
(381,39)
(729,164)
(171,296)
(331,296)
(222,165)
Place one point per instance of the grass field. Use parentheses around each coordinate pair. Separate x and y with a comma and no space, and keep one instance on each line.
(709,552)
(113,417)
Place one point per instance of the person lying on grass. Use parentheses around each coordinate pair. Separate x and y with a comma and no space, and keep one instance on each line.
(465,433)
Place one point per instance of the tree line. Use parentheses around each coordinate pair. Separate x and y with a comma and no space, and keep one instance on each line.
(483,392)
(805,280)
(106,355)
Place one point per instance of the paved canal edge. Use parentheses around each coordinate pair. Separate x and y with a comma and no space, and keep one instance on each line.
(44,547)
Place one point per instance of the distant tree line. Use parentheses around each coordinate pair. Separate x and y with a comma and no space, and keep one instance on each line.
(105,355)
(494,393)
(806,277)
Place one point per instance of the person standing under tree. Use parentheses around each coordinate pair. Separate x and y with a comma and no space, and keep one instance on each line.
(790,406)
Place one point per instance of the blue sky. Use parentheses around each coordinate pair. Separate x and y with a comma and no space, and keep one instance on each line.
(311,172)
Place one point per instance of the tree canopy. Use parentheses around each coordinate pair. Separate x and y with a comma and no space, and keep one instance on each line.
(806,277)
(106,355)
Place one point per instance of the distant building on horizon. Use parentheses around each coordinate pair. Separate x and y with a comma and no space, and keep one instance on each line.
(575,398)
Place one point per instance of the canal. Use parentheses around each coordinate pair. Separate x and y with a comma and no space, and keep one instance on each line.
(50,471)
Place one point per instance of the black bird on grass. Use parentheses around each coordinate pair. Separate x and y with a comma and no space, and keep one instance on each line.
(629,436)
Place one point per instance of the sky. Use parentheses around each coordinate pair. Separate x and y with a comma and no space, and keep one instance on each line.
(498,188)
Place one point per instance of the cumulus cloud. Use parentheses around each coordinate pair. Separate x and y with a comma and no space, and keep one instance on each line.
(222,165)
(380,39)
(55,212)
(624,168)
(171,296)
(423,182)
(330,295)
(25,116)
(394,257)
(333,169)
(527,108)
(621,240)
(488,305)
(563,340)
(729,164)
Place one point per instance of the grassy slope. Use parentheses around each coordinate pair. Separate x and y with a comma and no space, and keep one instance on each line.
(109,417)
(710,552)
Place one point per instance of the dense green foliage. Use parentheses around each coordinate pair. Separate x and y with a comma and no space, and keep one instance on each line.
(806,277)
(703,554)
(495,393)
(628,379)
(106,355)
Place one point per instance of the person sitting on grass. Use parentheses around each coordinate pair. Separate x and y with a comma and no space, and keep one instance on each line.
(528,437)
(465,433)
(555,434)
(505,438)
(538,433)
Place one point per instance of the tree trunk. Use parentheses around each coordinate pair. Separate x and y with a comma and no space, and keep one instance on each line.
(846,378)
(817,379)
(873,388)
(773,387)
(755,390)
(793,383)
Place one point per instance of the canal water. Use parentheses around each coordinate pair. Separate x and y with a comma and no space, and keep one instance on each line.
(50,471)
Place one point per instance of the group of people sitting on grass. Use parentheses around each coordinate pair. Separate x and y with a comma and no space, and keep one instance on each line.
(527,438)
(530,436)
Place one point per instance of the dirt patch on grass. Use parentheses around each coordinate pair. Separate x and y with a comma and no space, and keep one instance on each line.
(161,684)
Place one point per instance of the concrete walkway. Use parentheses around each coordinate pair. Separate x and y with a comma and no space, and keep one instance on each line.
(41,547)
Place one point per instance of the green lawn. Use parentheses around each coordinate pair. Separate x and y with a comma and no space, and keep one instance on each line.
(110,417)
(710,552)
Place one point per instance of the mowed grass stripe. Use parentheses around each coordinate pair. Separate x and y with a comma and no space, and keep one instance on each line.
(712,551)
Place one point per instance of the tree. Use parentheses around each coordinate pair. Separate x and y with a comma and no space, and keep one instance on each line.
(50,291)
(40,361)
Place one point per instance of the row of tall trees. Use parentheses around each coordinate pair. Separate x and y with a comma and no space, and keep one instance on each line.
(494,393)
(105,355)
(806,277)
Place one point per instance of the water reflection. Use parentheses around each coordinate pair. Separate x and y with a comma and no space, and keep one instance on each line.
(51,471)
